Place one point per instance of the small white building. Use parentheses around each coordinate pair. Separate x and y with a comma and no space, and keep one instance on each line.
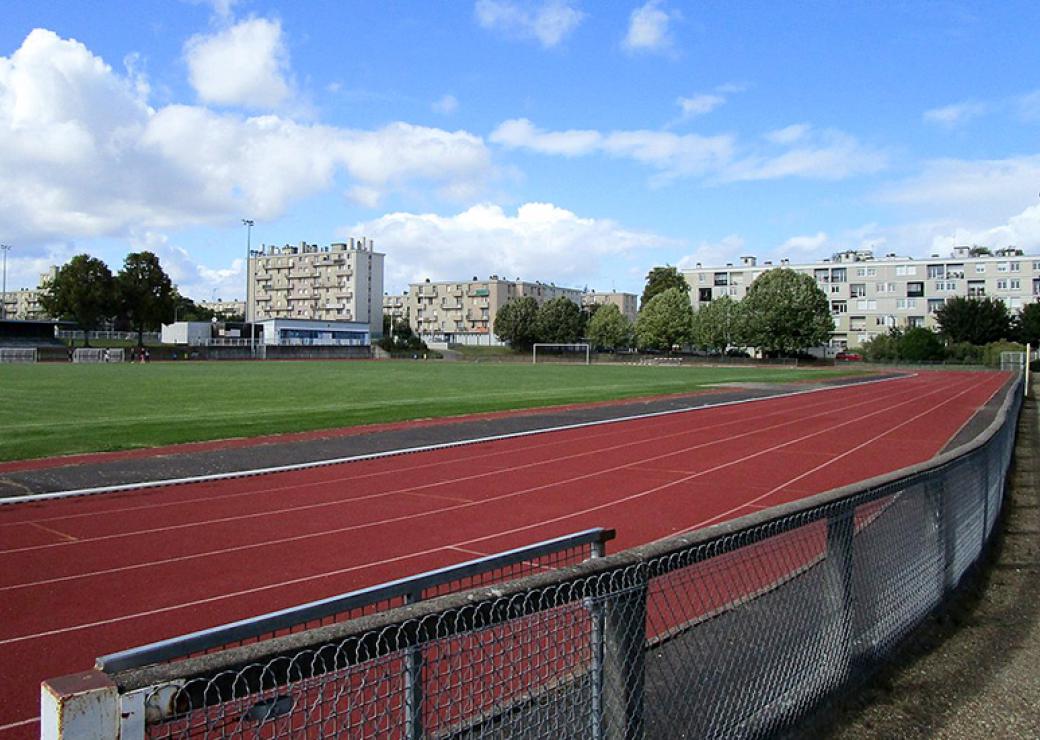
(308,333)
(193,333)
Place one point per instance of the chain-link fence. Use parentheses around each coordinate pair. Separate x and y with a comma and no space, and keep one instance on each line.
(736,630)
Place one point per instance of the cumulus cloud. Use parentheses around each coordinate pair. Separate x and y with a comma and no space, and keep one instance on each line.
(245,65)
(951,116)
(549,23)
(803,243)
(541,241)
(648,29)
(1029,106)
(671,154)
(789,134)
(95,159)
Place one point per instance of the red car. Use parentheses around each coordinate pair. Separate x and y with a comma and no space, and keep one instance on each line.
(848,357)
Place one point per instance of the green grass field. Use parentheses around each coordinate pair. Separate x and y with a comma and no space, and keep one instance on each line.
(54,409)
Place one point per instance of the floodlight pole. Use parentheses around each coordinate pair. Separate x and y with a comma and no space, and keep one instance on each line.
(5,248)
(248,223)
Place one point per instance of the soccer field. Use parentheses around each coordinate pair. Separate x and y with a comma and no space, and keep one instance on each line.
(62,409)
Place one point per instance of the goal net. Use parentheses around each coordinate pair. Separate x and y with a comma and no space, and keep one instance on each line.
(550,352)
(17,354)
(115,355)
(88,354)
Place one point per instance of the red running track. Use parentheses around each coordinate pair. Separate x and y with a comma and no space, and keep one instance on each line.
(89,576)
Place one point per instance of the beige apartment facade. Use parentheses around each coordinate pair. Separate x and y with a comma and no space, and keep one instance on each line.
(341,282)
(24,304)
(464,312)
(869,295)
(627,303)
(224,309)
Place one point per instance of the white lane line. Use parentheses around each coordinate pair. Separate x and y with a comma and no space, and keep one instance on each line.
(412,489)
(390,453)
(432,512)
(835,459)
(22,723)
(540,524)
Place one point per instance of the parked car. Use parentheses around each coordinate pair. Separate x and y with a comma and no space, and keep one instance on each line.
(848,357)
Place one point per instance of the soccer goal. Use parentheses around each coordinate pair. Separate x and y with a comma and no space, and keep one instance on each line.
(88,354)
(548,351)
(18,354)
(115,355)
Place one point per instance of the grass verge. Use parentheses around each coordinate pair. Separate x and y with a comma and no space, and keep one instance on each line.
(56,409)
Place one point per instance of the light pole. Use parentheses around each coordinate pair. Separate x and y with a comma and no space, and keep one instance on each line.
(5,248)
(248,223)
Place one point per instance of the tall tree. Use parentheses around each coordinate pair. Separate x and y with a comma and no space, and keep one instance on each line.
(84,291)
(979,321)
(559,320)
(785,311)
(609,328)
(146,294)
(1029,325)
(660,279)
(515,322)
(185,309)
(666,321)
(718,324)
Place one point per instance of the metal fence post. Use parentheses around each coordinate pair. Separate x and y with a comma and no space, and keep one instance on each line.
(413,683)
(624,656)
(595,607)
(840,533)
(985,501)
(946,527)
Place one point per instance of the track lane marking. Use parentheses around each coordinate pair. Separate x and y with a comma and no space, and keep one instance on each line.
(449,482)
(48,530)
(407,469)
(542,523)
(394,520)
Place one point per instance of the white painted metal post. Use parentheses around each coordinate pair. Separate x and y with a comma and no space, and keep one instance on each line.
(84,706)
(1029,355)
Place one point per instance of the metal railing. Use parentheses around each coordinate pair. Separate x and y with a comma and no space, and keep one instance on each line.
(735,630)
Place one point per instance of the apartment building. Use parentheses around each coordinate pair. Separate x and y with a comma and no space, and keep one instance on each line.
(224,309)
(24,304)
(342,282)
(628,303)
(464,312)
(869,295)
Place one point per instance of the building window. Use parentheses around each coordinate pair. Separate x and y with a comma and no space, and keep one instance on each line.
(914,290)
(839,307)
(721,279)
(704,295)
(1015,284)
(934,304)
(980,267)
(1002,285)
(1002,267)
(1016,266)
(858,290)
(936,271)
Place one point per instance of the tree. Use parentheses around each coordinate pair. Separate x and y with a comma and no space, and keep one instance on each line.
(718,324)
(920,345)
(515,322)
(84,291)
(609,328)
(146,295)
(979,251)
(185,309)
(1028,325)
(785,311)
(666,321)
(660,279)
(979,321)
(559,320)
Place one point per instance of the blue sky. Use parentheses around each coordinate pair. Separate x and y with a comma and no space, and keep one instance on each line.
(574,142)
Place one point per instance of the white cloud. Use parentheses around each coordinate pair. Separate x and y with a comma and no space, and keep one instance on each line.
(789,134)
(648,29)
(445,105)
(951,116)
(804,243)
(1029,106)
(727,250)
(549,23)
(246,65)
(698,105)
(540,242)
(822,155)
(977,190)
(221,8)
(95,159)
(671,154)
